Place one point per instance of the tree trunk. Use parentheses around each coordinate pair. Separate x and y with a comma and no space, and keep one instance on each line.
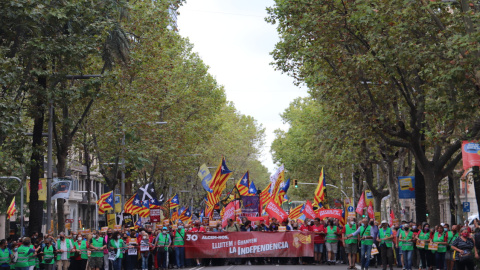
(87,165)
(36,169)
(61,169)
(431,188)
(458,202)
(451,197)
(393,188)
(420,197)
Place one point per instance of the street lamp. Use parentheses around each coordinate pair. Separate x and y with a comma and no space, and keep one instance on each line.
(96,206)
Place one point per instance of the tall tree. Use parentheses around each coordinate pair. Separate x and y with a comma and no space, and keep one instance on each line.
(404,69)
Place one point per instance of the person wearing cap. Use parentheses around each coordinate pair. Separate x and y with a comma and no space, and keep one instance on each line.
(385,238)
(179,243)
(163,243)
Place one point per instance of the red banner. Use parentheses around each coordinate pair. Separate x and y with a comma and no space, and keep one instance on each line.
(154,215)
(308,210)
(371,213)
(276,211)
(361,204)
(248,244)
(470,154)
(332,213)
(229,213)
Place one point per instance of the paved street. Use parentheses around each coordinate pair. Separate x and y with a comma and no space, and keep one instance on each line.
(271,267)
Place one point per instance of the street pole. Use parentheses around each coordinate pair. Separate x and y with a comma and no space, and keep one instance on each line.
(122,191)
(49,168)
(96,206)
(21,201)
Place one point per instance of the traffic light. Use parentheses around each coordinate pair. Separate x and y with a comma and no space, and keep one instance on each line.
(295,181)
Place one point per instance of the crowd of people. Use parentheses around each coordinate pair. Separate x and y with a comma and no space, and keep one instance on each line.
(407,245)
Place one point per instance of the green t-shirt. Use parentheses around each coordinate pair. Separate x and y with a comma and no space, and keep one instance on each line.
(424,237)
(384,234)
(331,237)
(409,244)
(350,229)
(365,232)
(48,255)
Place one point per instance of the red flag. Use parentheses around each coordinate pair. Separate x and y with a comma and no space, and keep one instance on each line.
(276,211)
(229,213)
(392,217)
(361,204)
(371,213)
(308,211)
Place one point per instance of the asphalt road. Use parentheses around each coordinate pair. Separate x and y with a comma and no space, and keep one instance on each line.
(271,267)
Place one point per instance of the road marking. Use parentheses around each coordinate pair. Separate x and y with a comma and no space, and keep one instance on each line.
(229,267)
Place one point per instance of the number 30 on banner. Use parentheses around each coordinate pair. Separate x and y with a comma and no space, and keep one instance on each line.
(192,237)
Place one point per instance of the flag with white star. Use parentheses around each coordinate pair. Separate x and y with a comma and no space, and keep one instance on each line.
(252,190)
(243,184)
(186,215)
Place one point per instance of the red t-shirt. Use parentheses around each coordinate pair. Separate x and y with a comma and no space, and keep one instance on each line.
(304,228)
(319,238)
(200,229)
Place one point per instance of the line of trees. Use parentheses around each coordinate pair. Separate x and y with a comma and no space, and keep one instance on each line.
(395,83)
(147,74)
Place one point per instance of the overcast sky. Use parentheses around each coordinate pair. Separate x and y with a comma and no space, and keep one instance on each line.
(233,39)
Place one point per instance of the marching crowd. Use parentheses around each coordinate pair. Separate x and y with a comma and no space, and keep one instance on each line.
(408,245)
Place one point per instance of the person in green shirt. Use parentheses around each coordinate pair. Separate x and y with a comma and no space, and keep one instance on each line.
(5,255)
(366,238)
(48,253)
(426,256)
(407,238)
(116,246)
(179,243)
(25,251)
(451,236)
(440,237)
(385,239)
(97,245)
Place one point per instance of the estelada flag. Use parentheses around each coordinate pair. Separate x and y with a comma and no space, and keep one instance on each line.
(218,184)
(11,209)
(243,184)
(371,213)
(308,211)
(276,211)
(361,204)
(319,195)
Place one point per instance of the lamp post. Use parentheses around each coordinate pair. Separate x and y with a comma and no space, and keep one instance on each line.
(96,206)
(21,200)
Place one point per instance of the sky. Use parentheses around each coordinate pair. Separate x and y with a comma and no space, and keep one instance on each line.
(234,40)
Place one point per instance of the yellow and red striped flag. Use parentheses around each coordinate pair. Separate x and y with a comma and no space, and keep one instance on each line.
(320,191)
(218,185)
(243,184)
(265,195)
(296,212)
(131,207)
(11,209)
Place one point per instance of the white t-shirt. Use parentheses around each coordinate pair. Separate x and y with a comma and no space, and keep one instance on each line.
(63,246)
